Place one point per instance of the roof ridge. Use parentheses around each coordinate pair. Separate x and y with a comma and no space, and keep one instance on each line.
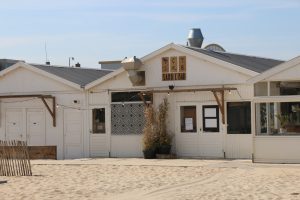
(238,54)
(67,67)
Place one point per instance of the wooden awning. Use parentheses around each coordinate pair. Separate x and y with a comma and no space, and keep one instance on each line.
(43,98)
(217,92)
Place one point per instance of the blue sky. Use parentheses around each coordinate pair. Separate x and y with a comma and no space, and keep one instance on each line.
(93,30)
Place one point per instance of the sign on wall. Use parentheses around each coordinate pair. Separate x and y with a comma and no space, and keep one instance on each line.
(173,68)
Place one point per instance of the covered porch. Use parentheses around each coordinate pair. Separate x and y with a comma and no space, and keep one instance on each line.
(276,114)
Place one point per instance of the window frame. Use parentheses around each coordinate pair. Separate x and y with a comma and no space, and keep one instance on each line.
(209,129)
(195,129)
(123,116)
(271,119)
(105,118)
(227,112)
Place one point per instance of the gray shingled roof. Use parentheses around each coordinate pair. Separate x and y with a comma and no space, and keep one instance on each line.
(80,76)
(253,63)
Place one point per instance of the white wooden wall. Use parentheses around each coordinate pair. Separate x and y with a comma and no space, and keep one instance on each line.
(22,81)
(200,74)
(277,149)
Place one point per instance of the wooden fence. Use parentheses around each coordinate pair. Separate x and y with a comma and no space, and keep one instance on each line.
(14,158)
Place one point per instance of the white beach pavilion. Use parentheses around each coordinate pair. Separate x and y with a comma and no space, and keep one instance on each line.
(221,105)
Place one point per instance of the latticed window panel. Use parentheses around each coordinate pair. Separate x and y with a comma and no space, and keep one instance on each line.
(127,119)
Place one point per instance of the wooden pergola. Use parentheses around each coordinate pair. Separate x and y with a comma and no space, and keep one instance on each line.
(43,98)
(217,92)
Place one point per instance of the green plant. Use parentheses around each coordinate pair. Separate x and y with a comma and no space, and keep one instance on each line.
(283,119)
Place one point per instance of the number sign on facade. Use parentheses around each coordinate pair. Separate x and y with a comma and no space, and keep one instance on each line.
(173,68)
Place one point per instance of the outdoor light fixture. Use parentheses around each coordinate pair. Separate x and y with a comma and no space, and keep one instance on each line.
(168,93)
(229,92)
(171,87)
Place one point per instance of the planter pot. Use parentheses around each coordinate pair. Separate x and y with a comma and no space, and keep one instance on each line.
(149,153)
(282,130)
(164,149)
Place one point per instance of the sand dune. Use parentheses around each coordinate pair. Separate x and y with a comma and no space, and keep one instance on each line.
(154,179)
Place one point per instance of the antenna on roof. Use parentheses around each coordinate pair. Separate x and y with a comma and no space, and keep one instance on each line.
(46,53)
(71,58)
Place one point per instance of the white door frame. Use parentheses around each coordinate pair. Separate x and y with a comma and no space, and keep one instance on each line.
(28,136)
(23,123)
(99,136)
(64,132)
(199,143)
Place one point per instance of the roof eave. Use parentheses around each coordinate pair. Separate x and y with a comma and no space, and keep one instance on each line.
(39,71)
(275,70)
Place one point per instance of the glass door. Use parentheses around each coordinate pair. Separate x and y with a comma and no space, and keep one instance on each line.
(198,130)
(210,136)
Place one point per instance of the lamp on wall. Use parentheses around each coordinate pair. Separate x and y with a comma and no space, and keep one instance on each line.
(171,87)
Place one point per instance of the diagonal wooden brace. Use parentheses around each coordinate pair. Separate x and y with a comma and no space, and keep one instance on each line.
(221,103)
(53,111)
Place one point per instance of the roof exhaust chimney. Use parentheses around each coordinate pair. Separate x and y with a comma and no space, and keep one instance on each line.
(195,37)
(77,65)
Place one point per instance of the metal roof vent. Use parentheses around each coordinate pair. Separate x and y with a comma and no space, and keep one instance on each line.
(195,37)
(214,47)
(132,66)
(132,63)
(77,65)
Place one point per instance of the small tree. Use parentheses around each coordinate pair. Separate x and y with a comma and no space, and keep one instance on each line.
(150,137)
(155,136)
(164,137)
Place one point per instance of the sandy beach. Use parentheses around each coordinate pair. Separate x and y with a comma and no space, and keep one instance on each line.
(154,179)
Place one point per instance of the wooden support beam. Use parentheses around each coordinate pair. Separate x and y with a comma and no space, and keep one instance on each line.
(25,96)
(42,97)
(53,111)
(221,103)
(142,97)
(215,91)
(141,94)
(191,90)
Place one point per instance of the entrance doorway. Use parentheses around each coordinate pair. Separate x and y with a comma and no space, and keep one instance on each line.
(26,125)
(99,138)
(198,131)
(73,133)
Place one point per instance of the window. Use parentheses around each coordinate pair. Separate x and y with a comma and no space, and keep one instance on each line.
(278,118)
(261,89)
(129,97)
(188,119)
(99,120)
(127,118)
(127,112)
(277,88)
(239,118)
(282,88)
(210,118)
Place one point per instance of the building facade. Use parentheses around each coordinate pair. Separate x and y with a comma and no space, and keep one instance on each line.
(221,105)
